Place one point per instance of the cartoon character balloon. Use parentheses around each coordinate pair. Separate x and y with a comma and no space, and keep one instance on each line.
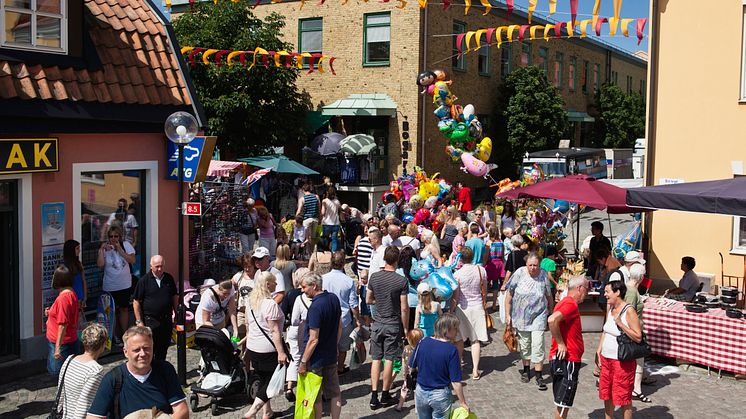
(474,166)
(484,149)
(421,269)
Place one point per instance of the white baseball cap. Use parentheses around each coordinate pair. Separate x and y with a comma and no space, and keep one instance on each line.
(423,288)
(260,252)
(634,257)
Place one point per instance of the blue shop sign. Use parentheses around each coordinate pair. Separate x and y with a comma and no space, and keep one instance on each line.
(192,154)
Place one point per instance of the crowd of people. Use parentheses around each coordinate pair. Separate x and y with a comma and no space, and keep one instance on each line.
(301,299)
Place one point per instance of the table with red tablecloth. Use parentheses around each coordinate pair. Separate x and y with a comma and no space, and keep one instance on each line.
(711,339)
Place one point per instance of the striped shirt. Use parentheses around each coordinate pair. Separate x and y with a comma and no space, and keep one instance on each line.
(364,252)
(310,206)
(81,383)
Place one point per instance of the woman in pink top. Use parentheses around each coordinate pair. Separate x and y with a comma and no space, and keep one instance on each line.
(468,303)
(267,231)
(62,321)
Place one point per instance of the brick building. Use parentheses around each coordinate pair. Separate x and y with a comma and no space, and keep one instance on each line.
(380,49)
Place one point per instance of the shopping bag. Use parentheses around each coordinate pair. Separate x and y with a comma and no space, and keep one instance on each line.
(509,338)
(277,382)
(461,413)
(501,302)
(308,388)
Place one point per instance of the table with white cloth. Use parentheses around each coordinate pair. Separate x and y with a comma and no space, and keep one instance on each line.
(711,339)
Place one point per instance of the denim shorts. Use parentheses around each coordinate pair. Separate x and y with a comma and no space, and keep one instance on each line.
(66,349)
(435,404)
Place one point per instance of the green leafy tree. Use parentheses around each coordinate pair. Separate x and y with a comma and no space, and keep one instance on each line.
(621,117)
(530,116)
(249,110)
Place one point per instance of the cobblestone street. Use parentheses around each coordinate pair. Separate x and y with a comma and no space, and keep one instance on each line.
(680,392)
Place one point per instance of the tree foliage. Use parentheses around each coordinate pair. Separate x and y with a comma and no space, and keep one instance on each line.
(530,116)
(249,111)
(621,117)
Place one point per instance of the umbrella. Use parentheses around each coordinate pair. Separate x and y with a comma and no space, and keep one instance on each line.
(580,189)
(726,196)
(357,144)
(279,163)
(326,144)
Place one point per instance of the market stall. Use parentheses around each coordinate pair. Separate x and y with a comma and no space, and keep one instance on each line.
(710,338)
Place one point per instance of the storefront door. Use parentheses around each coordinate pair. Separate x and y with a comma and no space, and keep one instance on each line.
(9,281)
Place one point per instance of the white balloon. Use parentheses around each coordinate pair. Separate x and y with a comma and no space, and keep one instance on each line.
(468,111)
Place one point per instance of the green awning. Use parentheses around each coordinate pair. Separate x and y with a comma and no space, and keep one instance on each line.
(575,116)
(366,104)
(315,120)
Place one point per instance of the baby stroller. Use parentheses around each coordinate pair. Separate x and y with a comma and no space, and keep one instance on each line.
(223,373)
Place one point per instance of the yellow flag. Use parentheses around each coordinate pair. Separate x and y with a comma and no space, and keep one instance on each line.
(479,37)
(547,28)
(468,6)
(552,7)
(257,51)
(231,55)
(184,50)
(617,8)
(532,31)
(613,24)
(499,34)
(487,6)
(596,8)
(531,8)
(469,35)
(511,28)
(423,4)
(570,28)
(584,26)
(625,24)
(318,66)
(208,53)
(168,4)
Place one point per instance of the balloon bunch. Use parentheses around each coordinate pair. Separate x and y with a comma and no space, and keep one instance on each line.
(532,175)
(420,198)
(441,280)
(466,141)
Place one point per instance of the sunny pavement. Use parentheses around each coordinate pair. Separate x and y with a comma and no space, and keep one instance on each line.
(683,393)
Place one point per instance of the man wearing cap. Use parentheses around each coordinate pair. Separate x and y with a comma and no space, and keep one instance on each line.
(260,257)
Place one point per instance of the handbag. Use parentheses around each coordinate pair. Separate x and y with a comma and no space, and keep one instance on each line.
(628,348)
(509,338)
(58,413)
(284,344)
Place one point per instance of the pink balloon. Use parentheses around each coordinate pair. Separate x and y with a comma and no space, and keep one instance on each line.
(473,165)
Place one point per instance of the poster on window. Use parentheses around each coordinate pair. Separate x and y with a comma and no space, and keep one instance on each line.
(51,257)
(52,223)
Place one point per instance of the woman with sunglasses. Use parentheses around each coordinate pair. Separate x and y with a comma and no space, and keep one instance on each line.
(115,257)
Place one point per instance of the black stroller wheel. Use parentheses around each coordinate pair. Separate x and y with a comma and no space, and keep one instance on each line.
(193,401)
(252,388)
(214,406)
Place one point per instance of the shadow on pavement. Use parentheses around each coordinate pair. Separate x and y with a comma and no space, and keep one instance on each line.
(390,413)
(657,412)
(35,408)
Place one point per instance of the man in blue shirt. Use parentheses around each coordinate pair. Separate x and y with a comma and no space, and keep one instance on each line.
(341,285)
(323,331)
(145,383)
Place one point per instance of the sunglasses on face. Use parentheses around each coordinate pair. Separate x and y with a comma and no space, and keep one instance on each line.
(114,236)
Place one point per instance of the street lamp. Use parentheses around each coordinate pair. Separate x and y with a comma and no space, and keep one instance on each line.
(180,128)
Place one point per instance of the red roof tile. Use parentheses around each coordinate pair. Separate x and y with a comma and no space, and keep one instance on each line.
(138,65)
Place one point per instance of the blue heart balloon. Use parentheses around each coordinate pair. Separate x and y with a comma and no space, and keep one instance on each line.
(421,269)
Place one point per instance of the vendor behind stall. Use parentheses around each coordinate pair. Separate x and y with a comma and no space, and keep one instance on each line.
(689,283)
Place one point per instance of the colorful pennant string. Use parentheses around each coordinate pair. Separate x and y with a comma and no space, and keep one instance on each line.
(286,59)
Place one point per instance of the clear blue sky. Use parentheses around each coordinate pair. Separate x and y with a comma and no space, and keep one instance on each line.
(630,9)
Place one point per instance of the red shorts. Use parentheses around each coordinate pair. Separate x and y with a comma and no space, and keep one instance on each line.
(616,381)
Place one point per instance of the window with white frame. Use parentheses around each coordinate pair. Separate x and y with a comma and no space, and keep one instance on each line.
(34,24)
(739,234)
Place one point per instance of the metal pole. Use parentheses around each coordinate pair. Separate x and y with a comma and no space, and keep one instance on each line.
(181,310)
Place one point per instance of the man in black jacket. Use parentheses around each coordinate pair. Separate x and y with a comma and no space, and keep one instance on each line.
(155,297)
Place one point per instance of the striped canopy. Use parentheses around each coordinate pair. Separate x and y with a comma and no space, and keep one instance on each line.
(357,144)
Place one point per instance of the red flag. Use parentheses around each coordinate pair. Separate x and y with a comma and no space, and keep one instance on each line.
(640,26)
(574,10)
(599,21)
(509,3)
(256,176)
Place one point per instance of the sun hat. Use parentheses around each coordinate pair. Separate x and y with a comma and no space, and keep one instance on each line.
(423,288)
(260,252)
(634,257)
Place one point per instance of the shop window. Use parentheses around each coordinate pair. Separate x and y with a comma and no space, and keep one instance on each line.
(525,54)
(114,199)
(34,24)
(458,63)
(573,74)
(376,39)
(543,61)
(559,69)
(506,60)
(310,36)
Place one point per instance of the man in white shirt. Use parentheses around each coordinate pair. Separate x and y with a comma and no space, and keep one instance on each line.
(261,261)
(392,239)
(376,261)
(344,287)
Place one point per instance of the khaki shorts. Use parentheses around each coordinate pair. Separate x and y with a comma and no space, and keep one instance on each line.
(329,381)
(531,344)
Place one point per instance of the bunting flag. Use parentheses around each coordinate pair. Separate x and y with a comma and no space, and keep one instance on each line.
(552,7)
(573,11)
(531,9)
(598,24)
(596,9)
(640,27)
(617,9)
(509,3)
(291,59)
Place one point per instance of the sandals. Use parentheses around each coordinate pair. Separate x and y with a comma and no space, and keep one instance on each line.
(641,397)
(476,377)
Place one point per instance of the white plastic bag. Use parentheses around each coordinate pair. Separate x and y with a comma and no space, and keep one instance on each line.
(277,382)
(501,302)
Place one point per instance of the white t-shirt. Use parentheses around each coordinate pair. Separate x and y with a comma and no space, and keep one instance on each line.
(117,274)
(208,303)
(376,261)
(129,224)
(386,241)
(255,339)
(241,281)
(331,212)
(411,242)
(298,317)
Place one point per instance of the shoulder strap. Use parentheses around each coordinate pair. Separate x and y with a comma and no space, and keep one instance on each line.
(55,406)
(302,300)
(261,328)
(217,299)
(117,375)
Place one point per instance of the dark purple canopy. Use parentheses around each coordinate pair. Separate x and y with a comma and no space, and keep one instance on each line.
(727,196)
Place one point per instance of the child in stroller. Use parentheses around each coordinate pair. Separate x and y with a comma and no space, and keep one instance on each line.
(223,373)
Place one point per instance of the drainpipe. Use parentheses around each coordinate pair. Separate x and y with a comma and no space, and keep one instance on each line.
(423,101)
(652,108)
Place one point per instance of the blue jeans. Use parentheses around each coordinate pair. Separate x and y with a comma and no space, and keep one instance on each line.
(66,349)
(432,404)
(333,231)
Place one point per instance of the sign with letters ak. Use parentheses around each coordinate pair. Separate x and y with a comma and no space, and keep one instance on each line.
(27,155)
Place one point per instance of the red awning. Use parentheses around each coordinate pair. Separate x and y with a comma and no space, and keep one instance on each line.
(223,168)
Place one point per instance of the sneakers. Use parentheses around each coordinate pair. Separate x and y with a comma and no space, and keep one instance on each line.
(540,383)
(374,403)
(525,378)
(387,400)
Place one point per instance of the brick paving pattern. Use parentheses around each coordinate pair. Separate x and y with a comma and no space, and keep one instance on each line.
(687,393)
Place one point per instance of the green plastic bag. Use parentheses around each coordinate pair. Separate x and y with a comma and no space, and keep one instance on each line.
(462,413)
(309,385)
